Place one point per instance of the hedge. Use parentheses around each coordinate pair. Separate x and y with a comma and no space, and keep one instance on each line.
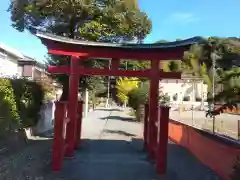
(9,116)
(20,103)
(29,96)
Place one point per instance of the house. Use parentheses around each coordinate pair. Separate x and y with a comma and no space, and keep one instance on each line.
(189,90)
(32,69)
(9,61)
(15,64)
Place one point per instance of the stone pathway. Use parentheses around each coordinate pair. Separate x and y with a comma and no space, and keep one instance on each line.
(112,150)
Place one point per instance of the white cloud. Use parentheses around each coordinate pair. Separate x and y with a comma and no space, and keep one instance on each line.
(183,17)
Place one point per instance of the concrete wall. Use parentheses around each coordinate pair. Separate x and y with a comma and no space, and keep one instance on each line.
(210,150)
(46,122)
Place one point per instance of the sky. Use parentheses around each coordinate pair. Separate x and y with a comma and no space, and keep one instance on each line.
(171,20)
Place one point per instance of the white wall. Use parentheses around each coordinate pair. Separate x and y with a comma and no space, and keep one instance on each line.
(184,88)
(8,65)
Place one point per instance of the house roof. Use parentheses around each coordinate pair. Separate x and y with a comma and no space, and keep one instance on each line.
(28,60)
(11,51)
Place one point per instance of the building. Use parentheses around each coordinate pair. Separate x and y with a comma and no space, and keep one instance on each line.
(189,88)
(9,61)
(32,69)
(15,64)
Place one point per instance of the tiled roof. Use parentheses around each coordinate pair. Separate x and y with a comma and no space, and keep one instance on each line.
(62,39)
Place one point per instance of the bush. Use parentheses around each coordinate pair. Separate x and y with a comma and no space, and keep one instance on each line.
(175,97)
(137,97)
(9,116)
(164,99)
(186,98)
(29,97)
(198,99)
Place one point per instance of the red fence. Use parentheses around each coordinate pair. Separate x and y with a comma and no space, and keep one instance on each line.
(212,152)
(156,137)
(60,125)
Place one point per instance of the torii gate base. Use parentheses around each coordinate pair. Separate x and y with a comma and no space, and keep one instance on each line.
(60,143)
(67,123)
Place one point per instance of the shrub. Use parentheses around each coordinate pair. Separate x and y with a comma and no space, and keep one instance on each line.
(124,86)
(137,97)
(47,87)
(186,98)
(175,97)
(8,108)
(164,99)
(198,99)
(29,97)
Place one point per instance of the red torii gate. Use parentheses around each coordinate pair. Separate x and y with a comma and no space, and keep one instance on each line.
(81,50)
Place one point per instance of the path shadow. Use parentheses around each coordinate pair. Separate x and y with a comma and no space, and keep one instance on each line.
(112,109)
(120,118)
(119,132)
(107,146)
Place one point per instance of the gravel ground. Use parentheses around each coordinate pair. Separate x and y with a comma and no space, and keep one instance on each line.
(112,150)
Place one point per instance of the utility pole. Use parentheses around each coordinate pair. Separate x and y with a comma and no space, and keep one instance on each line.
(214,57)
(108,87)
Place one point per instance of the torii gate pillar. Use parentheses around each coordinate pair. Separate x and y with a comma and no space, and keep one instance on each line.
(153,105)
(72,106)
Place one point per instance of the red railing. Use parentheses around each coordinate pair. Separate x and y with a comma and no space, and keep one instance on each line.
(156,137)
(60,126)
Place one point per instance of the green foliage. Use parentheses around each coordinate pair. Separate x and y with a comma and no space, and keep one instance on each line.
(138,96)
(225,52)
(124,86)
(186,98)
(29,97)
(174,66)
(9,117)
(94,20)
(163,99)
(175,97)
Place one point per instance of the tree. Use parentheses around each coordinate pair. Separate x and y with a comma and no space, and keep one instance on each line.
(198,61)
(94,20)
(124,86)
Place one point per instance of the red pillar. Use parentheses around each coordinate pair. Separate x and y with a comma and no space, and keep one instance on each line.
(79,124)
(153,107)
(161,165)
(145,129)
(58,140)
(72,106)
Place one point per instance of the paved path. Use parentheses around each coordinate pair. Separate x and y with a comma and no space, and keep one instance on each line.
(112,150)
